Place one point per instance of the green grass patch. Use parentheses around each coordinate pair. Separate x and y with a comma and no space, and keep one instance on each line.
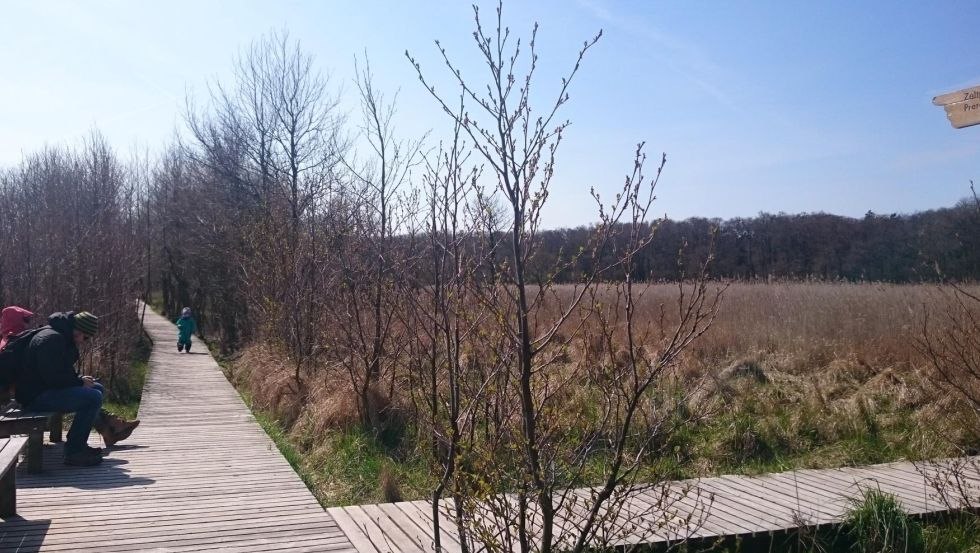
(278,435)
(355,466)
(124,393)
(877,524)
(956,533)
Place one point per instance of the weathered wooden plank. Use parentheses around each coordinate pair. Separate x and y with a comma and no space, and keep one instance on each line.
(722,512)
(738,504)
(449,539)
(201,475)
(366,533)
(10,448)
(756,518)
(239,535)
(398,538)
(911,498)
(666,512)
(420,533)
(198,475)
(814,493)
(67,523)
(789,498)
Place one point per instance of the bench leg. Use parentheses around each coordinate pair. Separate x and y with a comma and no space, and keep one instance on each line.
(8,493)
(35,445)
(57,422)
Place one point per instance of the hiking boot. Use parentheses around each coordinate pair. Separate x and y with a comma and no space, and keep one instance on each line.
(180,347)
(113,429)
(122,431)
(188,348)
(95,450)
(83,458)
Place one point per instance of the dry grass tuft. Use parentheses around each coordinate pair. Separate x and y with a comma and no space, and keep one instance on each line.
(326,403)
(389,485)
(744,368)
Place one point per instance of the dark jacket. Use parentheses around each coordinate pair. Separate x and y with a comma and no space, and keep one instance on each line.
(51,358)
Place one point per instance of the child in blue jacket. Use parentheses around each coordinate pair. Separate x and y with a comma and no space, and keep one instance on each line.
(185,328)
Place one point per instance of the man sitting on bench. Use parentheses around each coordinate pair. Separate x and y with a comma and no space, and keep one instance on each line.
(49,382)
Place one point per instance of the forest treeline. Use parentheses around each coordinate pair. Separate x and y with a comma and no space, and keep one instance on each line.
(898,248)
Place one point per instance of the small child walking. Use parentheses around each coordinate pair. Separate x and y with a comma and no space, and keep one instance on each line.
(185,328)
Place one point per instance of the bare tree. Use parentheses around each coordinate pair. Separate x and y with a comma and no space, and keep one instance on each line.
(950,340)
(522,501)
(272,141)
(375,259)
(69,225)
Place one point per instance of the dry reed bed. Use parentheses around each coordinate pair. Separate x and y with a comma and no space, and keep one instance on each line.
(790,374)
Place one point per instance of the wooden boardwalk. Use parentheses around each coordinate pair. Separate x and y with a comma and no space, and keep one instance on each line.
(702,508)
(199,474)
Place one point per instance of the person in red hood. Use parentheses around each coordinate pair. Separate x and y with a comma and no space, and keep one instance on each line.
(13,320)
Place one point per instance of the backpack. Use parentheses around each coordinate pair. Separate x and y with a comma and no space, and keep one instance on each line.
(13,356)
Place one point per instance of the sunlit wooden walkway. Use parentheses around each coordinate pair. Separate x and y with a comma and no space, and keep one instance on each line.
(704,508)
(199,474)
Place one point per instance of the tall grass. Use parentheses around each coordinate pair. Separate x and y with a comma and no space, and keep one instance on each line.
(878,524)
(790,375)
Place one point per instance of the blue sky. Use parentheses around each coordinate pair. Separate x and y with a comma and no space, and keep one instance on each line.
(762,106)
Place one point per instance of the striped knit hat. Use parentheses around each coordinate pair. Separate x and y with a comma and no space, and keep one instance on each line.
(86,323)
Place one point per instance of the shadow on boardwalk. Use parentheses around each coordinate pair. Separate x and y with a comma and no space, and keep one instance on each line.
(22,535)
(112,473)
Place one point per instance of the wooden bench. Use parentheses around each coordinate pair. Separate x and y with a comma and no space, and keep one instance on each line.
(15,421)
(10,448)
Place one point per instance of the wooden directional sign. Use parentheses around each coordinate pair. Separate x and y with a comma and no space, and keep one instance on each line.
(962,107)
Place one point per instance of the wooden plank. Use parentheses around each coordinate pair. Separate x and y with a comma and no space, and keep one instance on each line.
(681,513)
(731,515)
(151,531)
(837,501)
(377,539)
(942,488)
(66,524)
(241,534)
(913,501)
(411,523)
(355,533)
(731,519)
(775,502)
(760,517)
(449,539)
(201,475)
(398,538)
(198,475)
(856,482)
(739,505)
(271,544)
(792,498)
(10,448)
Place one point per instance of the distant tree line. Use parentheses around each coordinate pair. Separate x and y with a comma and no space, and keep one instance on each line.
(890,248)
